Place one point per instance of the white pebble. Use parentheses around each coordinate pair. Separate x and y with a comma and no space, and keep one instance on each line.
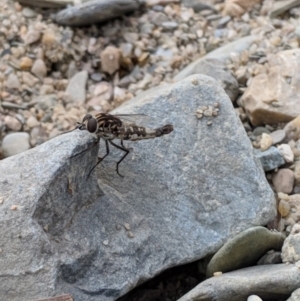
(286,152)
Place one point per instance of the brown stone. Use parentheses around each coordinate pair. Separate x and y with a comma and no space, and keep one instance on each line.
(283,180)
(110,59)
(284,208)
(236,8)
(26,63)
(266,105)
(292,129)
(265,142)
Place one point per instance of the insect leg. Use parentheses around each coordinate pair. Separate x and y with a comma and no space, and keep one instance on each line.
(86,149)
(100,159)
(124,149)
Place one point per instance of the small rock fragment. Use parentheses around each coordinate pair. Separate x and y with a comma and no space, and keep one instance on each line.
(270,258)
(110,59)
(278,136)
(286,152)
(216,274)
(130,234)
(32,122)
(13,82)
(105,242)
(1,199)
(283,180)
(270,159)
(284,208)
(28,13)
(290,250)
(265,142)
(283,196)
(39,69)
(12,123)
(127,226)
(32,36)
(26,63)
(259,130)
(14,207)
(292,129)
(76,88)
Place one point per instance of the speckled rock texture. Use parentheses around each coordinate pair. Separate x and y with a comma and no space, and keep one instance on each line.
(182,196)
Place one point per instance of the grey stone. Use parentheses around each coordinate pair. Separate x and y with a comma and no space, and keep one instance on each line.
(295,295)
(291,247)
(158,18)
(197,5)
(169,25)
(95,11)
(277,281)
(270,258)
(28,12)
(259,130)
(46,102)
(97,77)
(278,136)
(15,143)
(216,69)
(270,159)
(176,191)
(43,194)
(222,53)
(282,6)
(76,87)
(244,250)
(222,22)
(13,82)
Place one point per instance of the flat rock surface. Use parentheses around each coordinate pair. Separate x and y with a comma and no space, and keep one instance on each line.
(182,197)
(277,281)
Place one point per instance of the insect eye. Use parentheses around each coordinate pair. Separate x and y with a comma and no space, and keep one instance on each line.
(87,117)
(92,125)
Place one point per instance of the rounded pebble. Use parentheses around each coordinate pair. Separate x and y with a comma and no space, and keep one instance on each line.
(278,136)
(286,152)
(260,130)
(283,180)
(254,298)
(12,123)
(28,13)
(15,143)
(284,208)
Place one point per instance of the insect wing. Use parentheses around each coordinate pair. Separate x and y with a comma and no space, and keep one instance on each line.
(135,119)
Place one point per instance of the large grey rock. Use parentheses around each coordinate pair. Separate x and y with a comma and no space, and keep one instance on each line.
(42,194)
(182,196)
(216,69)
(274,282)
(244,250)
